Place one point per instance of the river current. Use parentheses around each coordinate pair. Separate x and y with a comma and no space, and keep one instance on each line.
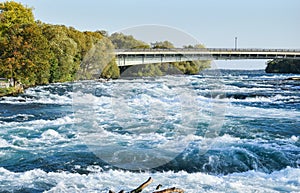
(219,131)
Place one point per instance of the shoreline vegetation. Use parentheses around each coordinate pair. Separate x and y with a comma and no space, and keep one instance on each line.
(35,53)
(11,91)
(283,66)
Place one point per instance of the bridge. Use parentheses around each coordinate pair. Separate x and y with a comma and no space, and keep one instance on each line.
(132,57)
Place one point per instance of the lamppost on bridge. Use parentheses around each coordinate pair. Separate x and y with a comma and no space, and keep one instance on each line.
(235,42)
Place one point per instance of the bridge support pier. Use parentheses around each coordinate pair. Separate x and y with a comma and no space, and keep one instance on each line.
(123,69)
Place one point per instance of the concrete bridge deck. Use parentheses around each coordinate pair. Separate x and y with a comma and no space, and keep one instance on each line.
(131,57)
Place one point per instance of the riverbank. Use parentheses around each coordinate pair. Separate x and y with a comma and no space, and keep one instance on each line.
(11,91)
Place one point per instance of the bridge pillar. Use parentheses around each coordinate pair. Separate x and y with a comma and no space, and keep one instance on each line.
(123,69)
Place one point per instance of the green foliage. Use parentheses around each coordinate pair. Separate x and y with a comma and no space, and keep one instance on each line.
(143,71)
(12,13)
(40,54)
(121,41)
(103,33)
(111,70)
(283,66)
(162,45)
(64,49)
(25,55)
(96,59)
(36,53)
(196,46)
(77,55)
(7,91)
(24,52)
(188,67)
(192,67)
(11,91)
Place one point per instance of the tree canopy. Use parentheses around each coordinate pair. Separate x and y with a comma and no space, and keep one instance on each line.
(24,51)
(122,41)
(33,52)
(162,45)
(13,13)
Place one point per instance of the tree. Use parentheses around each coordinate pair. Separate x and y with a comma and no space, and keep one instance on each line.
(97,57)
(25,55)
(121,41)
(37,53)
(24,52)
(162,45)
(111,70)
(196,46)
(65,51)
(103,33)
(40,54)
(12,13)
(78,55)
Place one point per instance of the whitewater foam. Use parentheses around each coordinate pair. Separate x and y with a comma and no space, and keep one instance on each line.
(40,123)
(257,112)
(253,138)
(286,180)
(41,95)
(295,138)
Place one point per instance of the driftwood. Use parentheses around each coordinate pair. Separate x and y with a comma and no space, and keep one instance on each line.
(170,190)
(149,181)
(110,191)
(142,186)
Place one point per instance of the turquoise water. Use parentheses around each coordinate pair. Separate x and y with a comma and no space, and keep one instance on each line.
(220,131)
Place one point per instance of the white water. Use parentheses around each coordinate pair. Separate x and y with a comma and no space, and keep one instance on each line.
(287,180)
(256,128)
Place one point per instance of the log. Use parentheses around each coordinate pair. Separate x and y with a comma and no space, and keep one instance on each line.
(142,186)
(110,191)
(149,181)
(170,190)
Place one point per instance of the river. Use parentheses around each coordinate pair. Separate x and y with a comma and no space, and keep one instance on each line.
(219,131)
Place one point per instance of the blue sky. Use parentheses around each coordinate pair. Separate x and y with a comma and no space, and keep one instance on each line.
(215,23)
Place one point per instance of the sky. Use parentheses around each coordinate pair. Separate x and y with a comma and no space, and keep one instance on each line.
(214,23)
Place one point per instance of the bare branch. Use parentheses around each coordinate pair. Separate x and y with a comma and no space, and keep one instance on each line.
(158,187)
(142,186)
(170,190)
(149,181)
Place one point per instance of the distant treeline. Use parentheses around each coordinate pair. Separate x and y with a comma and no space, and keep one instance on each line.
(34,53)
